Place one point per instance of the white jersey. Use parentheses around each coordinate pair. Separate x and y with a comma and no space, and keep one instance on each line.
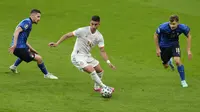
(86,40)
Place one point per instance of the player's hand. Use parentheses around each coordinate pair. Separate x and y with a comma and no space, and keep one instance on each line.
(11,49)
(158,52)
(189,55)
(52,44)
(112,66)
(33,51)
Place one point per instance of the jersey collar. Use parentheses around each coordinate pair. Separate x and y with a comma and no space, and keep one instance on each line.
(31,20)
(174,29)
(91,31)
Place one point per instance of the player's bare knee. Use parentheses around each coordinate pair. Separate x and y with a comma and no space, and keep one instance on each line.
(88,69)
(101,71)
(98,69)
(38,58)
(177,61)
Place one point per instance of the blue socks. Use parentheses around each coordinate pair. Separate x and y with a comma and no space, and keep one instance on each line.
(17,62)
(43,68)
(181,72)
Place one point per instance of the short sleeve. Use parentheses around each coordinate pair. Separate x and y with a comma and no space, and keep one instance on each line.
(101,42)
(186,30)
(78,32)
(24,25)
(158,31)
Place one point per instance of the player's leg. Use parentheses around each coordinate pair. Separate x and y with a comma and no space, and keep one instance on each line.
(25,55)
(17,62)
(99,71)
(180,67)
(181,70)
(170,63)
(17,52)
(81,62)
(42,67)
(13,67)
(166,54)
(90,70)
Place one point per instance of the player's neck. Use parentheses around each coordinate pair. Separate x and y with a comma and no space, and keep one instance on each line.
(92,30)
(31,19)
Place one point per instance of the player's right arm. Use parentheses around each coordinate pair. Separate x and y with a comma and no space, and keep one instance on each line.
(156,40)
(64,37)
(16,34)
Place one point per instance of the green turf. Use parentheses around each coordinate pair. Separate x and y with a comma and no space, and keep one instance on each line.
(141,83)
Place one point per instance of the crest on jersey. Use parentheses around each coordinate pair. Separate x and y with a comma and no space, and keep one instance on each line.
(26,26)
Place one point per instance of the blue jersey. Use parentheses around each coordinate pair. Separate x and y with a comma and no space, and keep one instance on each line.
(168,37)
(26,25)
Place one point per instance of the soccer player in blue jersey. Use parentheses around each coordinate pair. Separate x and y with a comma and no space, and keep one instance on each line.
(167,44)
(22,49)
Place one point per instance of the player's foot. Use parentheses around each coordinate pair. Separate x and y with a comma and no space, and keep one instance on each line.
(99,89)
(184,83)
(13,69)
(170,63)
(50,76)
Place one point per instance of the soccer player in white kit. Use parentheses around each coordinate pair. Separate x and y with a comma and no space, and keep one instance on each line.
(87,38)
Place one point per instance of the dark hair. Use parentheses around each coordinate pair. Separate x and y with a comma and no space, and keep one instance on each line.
(35,11)
(95,18)
(174,18)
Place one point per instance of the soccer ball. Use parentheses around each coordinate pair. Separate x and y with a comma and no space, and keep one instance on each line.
(106,92)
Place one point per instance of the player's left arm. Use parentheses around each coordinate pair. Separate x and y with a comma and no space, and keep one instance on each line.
(31,48)
(186,31)
(189,37)
(105,57)
(103,52)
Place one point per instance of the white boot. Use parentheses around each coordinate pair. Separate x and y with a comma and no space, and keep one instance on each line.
(13,68)
(50,76)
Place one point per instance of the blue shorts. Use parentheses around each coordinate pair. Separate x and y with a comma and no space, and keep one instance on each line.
(24,54)
(168,52)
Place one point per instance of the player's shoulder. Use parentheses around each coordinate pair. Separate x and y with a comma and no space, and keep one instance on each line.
(164,25)
(182,26)
(26,20)
(99,33)
(84,28)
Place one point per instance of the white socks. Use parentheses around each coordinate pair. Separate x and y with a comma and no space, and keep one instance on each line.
(97,79)
(100,74)
(96,86)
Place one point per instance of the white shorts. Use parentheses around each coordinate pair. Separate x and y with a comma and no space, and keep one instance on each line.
(81,61)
